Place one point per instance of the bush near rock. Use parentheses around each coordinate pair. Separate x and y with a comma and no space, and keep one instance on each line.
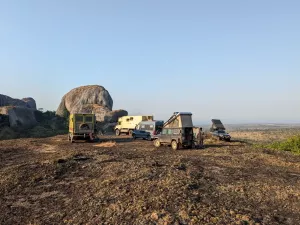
(4,121)
(8,133)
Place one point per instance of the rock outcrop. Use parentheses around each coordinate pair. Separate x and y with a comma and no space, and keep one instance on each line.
(20,112)
(76,99)
(19,117)
(30,102)
(25,102)
(91,99)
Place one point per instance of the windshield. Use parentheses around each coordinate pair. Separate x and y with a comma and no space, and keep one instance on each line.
(221,131)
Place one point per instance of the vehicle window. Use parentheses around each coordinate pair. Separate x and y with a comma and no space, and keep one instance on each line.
(131,118)
(158,127)
(119,123)
(176,131)
(148,127)
(88,119)
(127,120)
(79,118)
(142,127)
(164,131)
(170,131)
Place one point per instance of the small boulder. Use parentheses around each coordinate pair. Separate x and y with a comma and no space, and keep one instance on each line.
(113,116)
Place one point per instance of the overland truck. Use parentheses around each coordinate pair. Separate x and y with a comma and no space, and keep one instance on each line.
(126,124)
(177,132)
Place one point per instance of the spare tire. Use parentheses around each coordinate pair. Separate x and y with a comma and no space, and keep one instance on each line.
(84,126)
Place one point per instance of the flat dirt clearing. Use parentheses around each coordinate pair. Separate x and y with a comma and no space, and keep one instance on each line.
(51,181)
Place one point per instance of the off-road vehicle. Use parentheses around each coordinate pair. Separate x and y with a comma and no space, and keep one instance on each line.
(126,124)
(177,132)
(217,130)
(81,126)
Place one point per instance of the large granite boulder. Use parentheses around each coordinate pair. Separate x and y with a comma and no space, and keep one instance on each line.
(19,117)
(91,99)
(76,99)
(30,102)
(25,102)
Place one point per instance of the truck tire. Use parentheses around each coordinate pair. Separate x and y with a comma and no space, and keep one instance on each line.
(157,143)
(130,132)
(174,145)
(118,132)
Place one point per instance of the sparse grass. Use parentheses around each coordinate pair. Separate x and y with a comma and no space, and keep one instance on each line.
(264,136)
(291,144)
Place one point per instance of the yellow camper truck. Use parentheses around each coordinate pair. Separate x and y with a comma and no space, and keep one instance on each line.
(81,126)
(127,124)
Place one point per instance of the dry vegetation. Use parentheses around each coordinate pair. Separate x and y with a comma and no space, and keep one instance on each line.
(51,181)
(264,136)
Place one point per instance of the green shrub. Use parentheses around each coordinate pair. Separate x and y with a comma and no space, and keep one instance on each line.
(292,144)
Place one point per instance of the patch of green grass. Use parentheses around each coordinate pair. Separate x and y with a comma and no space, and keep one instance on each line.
(291,144)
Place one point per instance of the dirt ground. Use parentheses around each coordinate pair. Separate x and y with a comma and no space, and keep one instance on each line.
(51,181)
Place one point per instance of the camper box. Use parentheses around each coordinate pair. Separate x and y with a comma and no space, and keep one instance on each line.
(126,124)
(216,125)
(179,120)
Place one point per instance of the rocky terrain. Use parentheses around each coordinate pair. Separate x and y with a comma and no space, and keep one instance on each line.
(120,181)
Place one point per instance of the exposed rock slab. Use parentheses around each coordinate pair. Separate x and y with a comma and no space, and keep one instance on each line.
(19,117)
(25,102)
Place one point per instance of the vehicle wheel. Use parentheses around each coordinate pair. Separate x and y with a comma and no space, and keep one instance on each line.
(118,132)
(149,138)
(130,132)
(174,145)
(190,146)
(157,143)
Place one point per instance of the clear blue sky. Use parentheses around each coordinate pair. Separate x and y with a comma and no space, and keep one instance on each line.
(234,60)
